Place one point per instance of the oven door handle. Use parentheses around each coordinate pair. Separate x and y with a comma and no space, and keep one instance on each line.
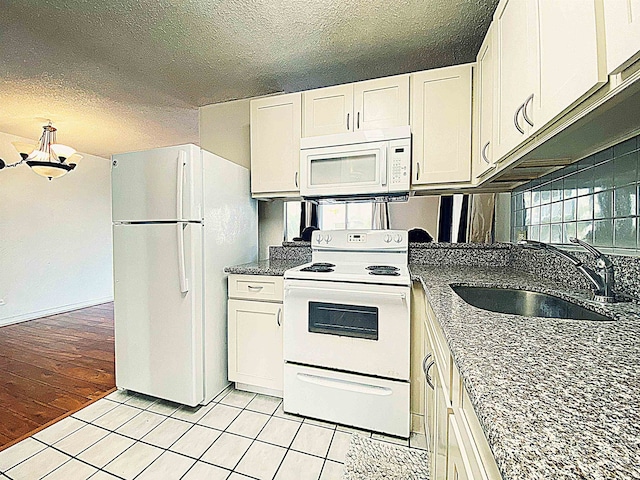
(344,385)
(402,296)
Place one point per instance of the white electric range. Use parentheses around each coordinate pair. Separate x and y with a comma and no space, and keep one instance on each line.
(346,331)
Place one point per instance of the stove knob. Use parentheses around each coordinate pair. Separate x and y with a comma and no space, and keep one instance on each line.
(328,238)
(398,238)
(387,238)
(319,238)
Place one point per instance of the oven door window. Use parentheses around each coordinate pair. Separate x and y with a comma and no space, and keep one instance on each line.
(344,320)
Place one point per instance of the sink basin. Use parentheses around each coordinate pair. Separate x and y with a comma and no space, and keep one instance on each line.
(524,302)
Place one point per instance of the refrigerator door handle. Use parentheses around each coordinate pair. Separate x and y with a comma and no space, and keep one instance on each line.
(180,184)
(184,281)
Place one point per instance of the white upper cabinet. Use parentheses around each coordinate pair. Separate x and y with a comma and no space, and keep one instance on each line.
(622,26)
(328,110)
(485,82)
(441,125)
(571,55)
(275,145)
(550,56)
(379,103)
(517,76)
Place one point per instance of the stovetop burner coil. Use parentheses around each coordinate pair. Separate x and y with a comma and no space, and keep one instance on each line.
(321,267)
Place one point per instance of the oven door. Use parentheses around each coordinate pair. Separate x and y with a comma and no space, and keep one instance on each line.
(348,326)
(344,170)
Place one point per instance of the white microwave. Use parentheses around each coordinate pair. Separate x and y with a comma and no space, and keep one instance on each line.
(364,163)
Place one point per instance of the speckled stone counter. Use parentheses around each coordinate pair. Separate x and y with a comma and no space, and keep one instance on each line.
(264,267)
(557,399)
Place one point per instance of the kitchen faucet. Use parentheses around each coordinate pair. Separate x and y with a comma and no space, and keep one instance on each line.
(602,278)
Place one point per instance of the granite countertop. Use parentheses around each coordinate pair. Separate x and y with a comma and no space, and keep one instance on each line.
(556,398)
(264,267)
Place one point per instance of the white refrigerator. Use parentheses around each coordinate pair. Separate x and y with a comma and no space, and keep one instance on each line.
(180,215)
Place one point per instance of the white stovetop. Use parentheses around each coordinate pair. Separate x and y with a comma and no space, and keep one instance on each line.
(353,272)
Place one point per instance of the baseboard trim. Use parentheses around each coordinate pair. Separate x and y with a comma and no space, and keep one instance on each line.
(24,317)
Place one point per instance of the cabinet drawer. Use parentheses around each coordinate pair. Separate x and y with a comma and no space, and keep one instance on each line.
(256,287)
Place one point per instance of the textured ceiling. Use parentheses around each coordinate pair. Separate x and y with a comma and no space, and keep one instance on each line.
(140,68)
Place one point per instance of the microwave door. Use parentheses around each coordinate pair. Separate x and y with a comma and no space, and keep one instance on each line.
(340,171)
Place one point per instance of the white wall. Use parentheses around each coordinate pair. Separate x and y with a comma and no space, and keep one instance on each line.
(270,226)
(224,130)
(55,237)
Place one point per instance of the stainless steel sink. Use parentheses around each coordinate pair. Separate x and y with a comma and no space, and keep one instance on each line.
(524,302)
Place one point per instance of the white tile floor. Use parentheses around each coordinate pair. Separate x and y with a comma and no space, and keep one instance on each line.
(239,435)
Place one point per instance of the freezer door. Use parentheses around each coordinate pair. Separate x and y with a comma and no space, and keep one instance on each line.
(157,185)
(158,310)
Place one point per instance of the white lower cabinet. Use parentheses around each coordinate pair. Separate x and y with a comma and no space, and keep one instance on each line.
(255,342)
(458,448)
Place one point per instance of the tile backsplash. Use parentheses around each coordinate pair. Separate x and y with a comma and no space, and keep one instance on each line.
(595,200)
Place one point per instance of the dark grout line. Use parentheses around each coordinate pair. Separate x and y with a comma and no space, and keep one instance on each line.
(213,403)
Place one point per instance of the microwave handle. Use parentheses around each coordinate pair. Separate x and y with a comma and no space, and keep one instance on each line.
(383,166)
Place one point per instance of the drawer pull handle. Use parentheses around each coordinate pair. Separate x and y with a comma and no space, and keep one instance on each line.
(278,316)
(515,119)
(254,289)
(524,110)
(426,367)
(484,153)
(347,385)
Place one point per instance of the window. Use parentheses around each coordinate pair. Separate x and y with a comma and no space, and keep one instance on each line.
(346,215)
(338,216)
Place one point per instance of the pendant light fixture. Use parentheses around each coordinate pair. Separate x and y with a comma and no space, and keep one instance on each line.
(48,158)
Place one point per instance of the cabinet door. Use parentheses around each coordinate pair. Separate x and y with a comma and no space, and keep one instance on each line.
(517,77)
(622,25)
(275,144)
(485,80)
(255,343)
(441,125)
(571,58)
(441,428)
(328,110)
(429,391)
(459,461)
(381,103)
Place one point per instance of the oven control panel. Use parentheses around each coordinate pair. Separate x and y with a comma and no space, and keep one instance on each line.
(360,240)
(356,237)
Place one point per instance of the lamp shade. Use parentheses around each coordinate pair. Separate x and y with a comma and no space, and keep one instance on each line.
(49,169)
(24,148)
(62,151)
